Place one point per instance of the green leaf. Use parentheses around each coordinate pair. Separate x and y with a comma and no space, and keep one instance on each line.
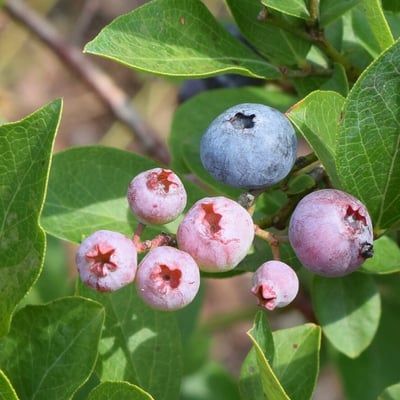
(189,125)
(292,49)
(390,393)
(51,349)
(337,82)
(333,9)
(139,345)
(296,359)
(295,8)
(289,369)
(118,391)
(378,23)
(7,392)
(366,376)
(177,38)
(250,385)
(211,382)
(391,5)
(95,196)
(363,32)
(348,309)
(316,117)
(26,148)
(260,334)
(368,141)
(300,184)
(386,259)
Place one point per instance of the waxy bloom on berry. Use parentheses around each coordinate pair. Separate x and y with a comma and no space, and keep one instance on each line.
(217,232)
(156,196)
(275,284)
(167,278)
(106,261)
(331,232)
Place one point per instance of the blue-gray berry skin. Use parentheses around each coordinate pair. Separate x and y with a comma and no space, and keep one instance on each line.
(249,146)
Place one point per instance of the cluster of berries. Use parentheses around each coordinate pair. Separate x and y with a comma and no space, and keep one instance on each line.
(248,146)
(214,235)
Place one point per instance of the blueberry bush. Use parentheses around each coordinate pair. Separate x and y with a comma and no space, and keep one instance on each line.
(333,68)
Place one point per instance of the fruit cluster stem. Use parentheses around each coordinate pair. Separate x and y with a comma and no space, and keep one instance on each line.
(271,239)
(163,239)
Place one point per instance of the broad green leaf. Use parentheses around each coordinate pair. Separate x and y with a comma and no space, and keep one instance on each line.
(348,309)
(177,38)
(300,184)
(7,392)
(368,141)
(260,335)
(296,359)
(393,21)
(386,259)
(211,382)
(25,148)
(338,81)
(378,23)
(55,279)
(51,349)
(189,125)
(390,393)
(329,10)
(362,30)
(366,376)
(287,368)
(274,43)
(316,117)
(352,45)
(391,5)
(296,8)
(139,345)
(118,391)
(95,196)
(250,385)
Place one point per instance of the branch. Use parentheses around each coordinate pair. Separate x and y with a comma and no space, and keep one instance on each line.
(315,37)
(110,94)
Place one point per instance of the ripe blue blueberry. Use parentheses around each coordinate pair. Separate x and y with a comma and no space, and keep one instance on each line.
(249,146)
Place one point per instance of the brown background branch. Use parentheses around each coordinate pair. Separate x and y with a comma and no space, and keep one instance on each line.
(110,94)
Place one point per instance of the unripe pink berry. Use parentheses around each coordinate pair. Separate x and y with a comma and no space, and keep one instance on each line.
(217,232)
(156,196)
(106,261)
(275,284)
(167,278)
(331,232)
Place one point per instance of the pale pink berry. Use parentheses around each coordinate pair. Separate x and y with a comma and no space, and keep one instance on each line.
(167,278)
(106,261)
(275,285)
(156,196)
(331,232)
(217,232)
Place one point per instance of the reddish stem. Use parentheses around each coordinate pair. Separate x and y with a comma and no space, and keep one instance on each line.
(163,239)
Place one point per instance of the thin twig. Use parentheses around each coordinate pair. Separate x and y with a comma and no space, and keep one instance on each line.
(317,38)
(110,94)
